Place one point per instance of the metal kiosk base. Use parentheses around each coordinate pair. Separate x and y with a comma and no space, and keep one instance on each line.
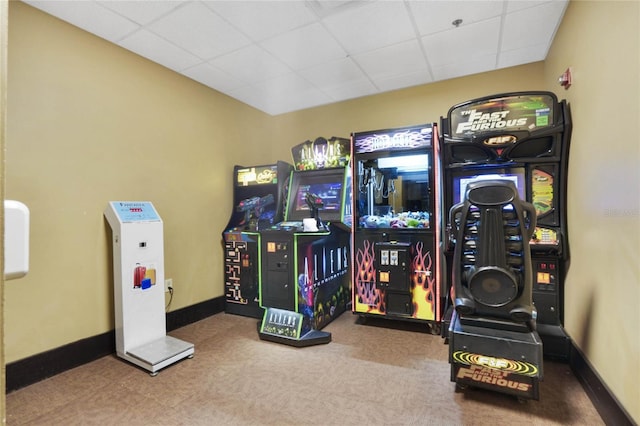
(157,354)
(500,359)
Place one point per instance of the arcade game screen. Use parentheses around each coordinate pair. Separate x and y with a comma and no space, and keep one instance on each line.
(460,182)
(326,185)
(329,192)
(255,195)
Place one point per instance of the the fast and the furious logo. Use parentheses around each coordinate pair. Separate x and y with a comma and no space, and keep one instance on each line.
(479,121)
(491,376)
(501,372)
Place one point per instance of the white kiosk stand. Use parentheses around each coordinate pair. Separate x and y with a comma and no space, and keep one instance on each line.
(138,271)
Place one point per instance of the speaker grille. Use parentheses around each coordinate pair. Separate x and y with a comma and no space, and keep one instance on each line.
(493,286)
(467,153)
(532,148)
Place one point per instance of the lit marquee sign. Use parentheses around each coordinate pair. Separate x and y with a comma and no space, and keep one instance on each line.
(399,141)
(509,113)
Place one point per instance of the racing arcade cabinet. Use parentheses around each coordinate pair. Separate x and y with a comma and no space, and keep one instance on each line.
(522,137)
(396,235)
(305,269)
(493,342)
(258,197)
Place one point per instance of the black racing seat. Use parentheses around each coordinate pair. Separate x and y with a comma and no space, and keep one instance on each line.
(491,271)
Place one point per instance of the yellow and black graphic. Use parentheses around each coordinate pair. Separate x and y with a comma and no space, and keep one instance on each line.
(502,364)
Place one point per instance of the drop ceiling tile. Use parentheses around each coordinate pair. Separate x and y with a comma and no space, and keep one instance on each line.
(324,8)
(308,99)
(333,74)
(371,26)
(463,44)
(462,68)
(404,80)
(197,29)
(294,90)
(281,95)
(304,47)
(521,56)
(351,90)
(399,59)
(260,20)
(213,77)
(536,25)
(513,6)
(157,49)
(141,12)
(90,16)
(250,64)
(285,85)
(248,95)
(211,41)
(435,16)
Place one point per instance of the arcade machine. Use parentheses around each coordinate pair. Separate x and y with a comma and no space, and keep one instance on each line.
(523,138)
(305,259)
(493,343)
(258,197)
(396,235)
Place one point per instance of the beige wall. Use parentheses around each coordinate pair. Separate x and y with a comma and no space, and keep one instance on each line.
(89,122)
(602,312)
(4,15)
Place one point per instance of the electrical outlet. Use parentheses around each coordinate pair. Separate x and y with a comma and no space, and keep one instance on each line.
(168,284)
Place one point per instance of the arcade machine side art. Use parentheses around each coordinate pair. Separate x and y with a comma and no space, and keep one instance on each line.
(259,195)
(305,271)
(396,253)
(523,137)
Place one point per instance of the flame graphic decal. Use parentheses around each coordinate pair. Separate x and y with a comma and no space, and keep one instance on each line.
(423,283)
(365,282)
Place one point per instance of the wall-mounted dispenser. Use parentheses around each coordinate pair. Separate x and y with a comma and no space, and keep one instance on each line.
(16,239)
